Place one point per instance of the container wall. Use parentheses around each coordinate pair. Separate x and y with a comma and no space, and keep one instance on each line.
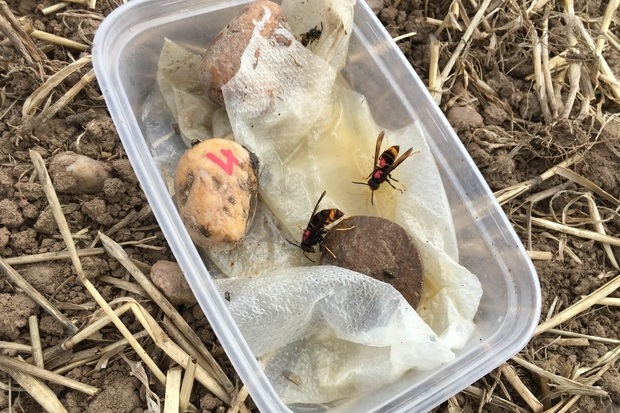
(125,55)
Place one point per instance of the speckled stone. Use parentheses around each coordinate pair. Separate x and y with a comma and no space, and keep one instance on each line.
(216,185)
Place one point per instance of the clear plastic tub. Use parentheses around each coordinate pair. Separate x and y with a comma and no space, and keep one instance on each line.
(125,54)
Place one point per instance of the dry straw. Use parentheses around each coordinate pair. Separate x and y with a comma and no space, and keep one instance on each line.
(117,252)
(173,390)
(29,123)
(512,377)
(13,30)
(567,85)
(572,82)
(32,292)
(29,369)
(187,385)
(37,389)
(52,38)
(207,371)
(35,340)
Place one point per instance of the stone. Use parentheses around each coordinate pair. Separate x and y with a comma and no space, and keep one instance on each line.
(168,277)
(464,117)
(379,248)
(77,174)
(222,58)
(216,186)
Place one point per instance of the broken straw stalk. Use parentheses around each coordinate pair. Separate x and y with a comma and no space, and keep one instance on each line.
(117,252)
(14,31)
(52,38)
(32,292)
(26,368)
(510,193)
(48,112)
(35,339)
(39,390)
(101,355)
(512,377)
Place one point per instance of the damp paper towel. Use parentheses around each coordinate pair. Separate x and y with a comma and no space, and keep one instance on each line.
(324,333)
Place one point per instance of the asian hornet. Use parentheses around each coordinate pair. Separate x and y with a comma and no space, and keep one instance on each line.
(384,165)
(316,229)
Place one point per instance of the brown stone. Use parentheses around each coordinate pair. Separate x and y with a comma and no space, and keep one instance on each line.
(464,117)
(378,248)
(77,174)
(222,58)
(168,277)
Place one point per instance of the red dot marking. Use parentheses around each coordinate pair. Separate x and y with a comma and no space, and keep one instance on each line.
(227,166)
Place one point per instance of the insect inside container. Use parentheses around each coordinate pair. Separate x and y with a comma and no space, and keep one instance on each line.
(311,35)
(384,165)
(316,229)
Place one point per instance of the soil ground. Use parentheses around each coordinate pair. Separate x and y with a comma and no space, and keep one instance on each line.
(492,99)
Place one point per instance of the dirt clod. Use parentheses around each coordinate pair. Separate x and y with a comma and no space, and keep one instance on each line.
(97,211)
(94,266)
(10,215)
(5,235)
(24,241)
(114,189)
(46,223)
(209,403)
(31,191)
(124,169)
(44,278)
(6,183)
(495,115)
(119,396)
(15,310)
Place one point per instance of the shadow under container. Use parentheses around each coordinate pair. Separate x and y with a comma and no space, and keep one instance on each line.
(125,55)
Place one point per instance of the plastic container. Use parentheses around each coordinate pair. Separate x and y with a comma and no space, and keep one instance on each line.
(125,53)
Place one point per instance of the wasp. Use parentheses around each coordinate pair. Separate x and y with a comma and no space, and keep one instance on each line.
(316,229)
(384,165)
(311,35)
